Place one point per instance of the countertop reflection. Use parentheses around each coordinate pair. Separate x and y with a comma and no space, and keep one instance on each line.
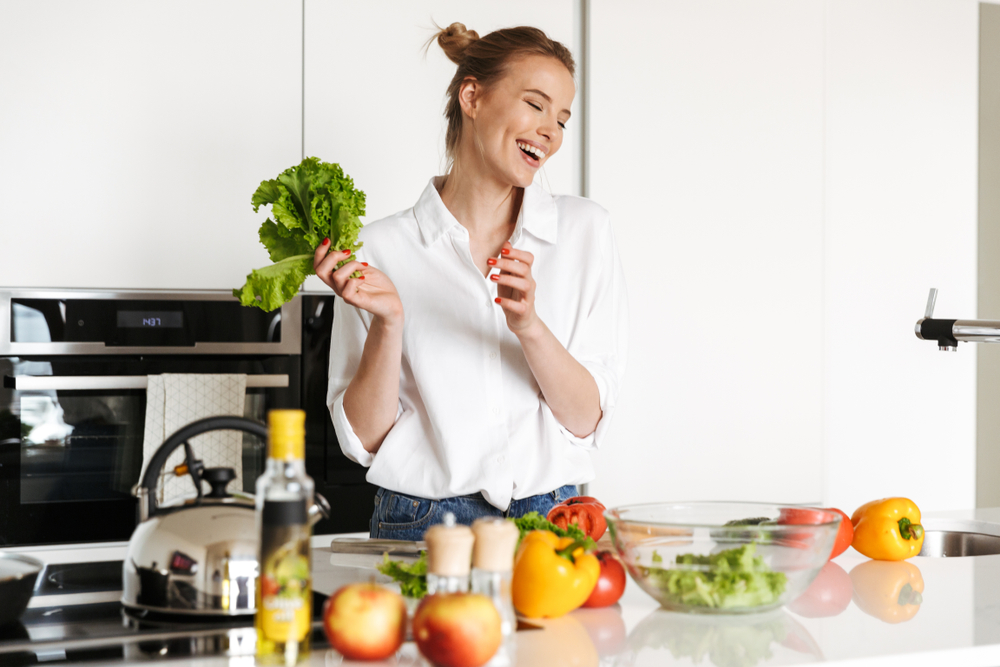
(773,637)
(924,611)
(920,611)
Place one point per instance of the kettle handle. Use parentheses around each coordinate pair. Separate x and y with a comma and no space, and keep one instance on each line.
(147,487)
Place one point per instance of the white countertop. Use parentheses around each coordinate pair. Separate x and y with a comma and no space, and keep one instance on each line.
(957,623)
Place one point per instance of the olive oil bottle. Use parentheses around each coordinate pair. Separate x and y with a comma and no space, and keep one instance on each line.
(283,618)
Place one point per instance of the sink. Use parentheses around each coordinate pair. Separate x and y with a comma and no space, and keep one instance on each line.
(951,543)
(950,537)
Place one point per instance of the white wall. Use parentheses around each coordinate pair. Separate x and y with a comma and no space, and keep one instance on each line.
(901,143)
(988,357)
(133,134)
(707,149)
(788,179)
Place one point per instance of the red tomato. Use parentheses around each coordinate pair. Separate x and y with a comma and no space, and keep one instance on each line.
(585,511)
(844,536)
(584,499)
(801,516)
(611,583)
(812,516)
(828,594)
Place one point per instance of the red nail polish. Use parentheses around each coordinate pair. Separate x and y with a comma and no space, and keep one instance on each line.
(347,252)
(497,299)
(505,251)
(495,276)
(491,261)
(326,241)
(364,263)
(361,277)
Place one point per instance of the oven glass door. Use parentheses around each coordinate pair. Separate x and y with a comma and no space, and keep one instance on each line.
(70,454)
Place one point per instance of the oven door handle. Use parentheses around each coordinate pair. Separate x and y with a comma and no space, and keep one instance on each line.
(113,382)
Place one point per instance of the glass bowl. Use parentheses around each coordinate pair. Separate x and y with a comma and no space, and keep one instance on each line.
(722,558)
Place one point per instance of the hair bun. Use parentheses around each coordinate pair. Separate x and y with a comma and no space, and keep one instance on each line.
(455,39)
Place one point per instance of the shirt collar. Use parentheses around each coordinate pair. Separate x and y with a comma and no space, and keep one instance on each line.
(433,217)
(538,214)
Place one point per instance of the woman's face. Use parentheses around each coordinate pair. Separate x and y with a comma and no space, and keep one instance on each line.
(520,121)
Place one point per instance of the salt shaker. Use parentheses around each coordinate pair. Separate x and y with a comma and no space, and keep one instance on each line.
(449,551)
(493,565)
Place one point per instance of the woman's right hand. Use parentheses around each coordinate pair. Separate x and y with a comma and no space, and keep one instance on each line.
(372,291)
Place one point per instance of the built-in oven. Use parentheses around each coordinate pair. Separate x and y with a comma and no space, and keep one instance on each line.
(75,366)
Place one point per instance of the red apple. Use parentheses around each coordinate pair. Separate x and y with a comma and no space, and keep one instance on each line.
(365,621)
(457,629)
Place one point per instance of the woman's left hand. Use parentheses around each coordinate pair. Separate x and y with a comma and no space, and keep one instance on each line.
(515,288)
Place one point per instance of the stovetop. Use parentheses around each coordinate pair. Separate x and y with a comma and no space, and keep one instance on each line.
(103,631)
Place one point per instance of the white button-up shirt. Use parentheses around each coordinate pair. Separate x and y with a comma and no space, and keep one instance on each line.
(471,417)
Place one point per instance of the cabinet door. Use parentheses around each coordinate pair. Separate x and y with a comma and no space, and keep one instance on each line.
(133,135)
(374,100)
(707,148)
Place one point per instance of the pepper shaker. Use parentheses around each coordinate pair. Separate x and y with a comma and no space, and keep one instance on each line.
(493,565)
(449,551)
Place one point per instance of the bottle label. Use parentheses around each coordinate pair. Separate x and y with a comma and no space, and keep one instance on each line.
(285,582)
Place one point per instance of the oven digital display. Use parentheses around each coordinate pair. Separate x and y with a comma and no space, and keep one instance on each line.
(150,319)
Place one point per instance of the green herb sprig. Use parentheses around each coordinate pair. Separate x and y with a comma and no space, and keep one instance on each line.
(412,578)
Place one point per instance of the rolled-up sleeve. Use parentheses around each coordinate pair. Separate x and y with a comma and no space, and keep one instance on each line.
(602,345)
(347,342)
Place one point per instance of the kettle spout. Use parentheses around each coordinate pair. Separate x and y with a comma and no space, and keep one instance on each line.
(320,510)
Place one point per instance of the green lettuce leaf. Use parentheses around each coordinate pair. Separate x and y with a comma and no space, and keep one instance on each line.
(281,242)
(309,202)
(267,192)
(534,521)
(268,288)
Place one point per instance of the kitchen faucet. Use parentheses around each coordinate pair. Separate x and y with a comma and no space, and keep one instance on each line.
(948,332)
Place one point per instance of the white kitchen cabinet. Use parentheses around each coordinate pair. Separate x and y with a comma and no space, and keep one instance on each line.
(374,101)
(707,148)
(133,134)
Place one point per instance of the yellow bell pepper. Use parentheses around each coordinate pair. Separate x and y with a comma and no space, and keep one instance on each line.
(891,592)
(888,529)
(552,575)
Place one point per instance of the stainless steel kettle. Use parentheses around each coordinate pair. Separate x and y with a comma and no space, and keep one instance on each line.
(197,555)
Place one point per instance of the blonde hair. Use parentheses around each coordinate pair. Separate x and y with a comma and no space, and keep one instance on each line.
(486,60)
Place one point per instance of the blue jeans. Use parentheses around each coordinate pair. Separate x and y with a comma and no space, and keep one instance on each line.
(401,517)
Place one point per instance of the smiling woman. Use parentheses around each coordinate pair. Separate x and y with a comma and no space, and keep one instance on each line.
(490,65)
(479,340)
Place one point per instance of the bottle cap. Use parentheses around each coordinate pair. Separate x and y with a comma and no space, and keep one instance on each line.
(287,434)
(449,548)
(496,540)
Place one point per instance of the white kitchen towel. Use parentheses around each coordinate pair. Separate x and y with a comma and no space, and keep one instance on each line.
(174,400)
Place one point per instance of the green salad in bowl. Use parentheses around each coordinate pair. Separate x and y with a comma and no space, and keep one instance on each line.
(712,558)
